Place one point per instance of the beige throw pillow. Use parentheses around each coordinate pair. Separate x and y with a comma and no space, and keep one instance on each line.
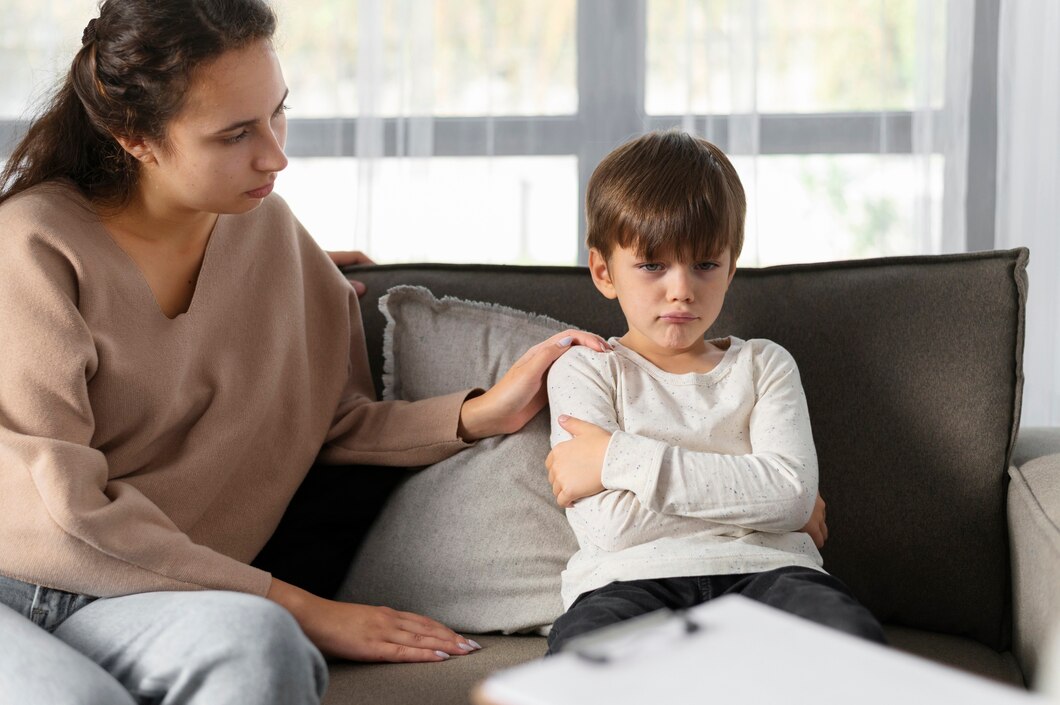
(475,541)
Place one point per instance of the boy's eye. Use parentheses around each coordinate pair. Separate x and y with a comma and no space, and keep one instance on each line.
(651,267)
(706,265)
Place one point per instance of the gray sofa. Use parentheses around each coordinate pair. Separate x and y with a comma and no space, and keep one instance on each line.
(942,521)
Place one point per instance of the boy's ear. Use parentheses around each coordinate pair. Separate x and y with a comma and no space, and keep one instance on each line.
(138,147)
(601,277)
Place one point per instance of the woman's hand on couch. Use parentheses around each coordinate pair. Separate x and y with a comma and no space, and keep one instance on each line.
(368,633)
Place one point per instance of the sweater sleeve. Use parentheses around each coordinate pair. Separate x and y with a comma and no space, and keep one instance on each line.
(579,386)
(398,433)
(90,533)
(773,488)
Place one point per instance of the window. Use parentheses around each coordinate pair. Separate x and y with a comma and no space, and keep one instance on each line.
(466,130)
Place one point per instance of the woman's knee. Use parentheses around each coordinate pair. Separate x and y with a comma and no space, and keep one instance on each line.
(255,626)
(262,644)
(36,667)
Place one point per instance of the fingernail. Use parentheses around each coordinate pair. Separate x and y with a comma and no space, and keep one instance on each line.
(563,418)
(465,647)
(442,655)
(564,342)
(474,643)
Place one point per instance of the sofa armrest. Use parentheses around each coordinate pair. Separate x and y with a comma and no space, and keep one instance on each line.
(1034,533)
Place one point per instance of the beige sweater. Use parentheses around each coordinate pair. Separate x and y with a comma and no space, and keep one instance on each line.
(139,453)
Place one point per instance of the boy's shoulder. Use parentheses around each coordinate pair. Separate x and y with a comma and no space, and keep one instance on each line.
(766,349)
(769,360)
(582,359)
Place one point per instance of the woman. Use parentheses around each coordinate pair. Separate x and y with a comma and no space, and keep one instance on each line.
(177,353)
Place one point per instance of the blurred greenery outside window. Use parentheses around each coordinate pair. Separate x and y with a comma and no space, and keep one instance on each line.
(501,91)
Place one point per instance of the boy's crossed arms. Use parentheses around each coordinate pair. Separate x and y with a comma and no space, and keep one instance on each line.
(624,486)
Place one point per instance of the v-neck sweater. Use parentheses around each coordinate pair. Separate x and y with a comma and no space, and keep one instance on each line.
(709,473)
(142,453)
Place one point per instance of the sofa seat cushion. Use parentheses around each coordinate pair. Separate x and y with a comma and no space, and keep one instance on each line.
(959,652)
(453,680)
(445,683)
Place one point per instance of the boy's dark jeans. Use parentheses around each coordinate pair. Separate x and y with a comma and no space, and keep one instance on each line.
(804,592)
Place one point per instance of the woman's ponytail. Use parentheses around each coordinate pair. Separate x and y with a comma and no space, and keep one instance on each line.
(128,79)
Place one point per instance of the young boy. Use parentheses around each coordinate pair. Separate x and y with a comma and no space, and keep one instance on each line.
(687,465)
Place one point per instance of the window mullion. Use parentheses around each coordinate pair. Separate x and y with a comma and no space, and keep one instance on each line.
(611,68)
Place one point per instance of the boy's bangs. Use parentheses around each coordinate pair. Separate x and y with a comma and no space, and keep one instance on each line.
(694,234)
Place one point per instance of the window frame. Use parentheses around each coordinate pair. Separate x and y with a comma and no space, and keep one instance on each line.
(611,89)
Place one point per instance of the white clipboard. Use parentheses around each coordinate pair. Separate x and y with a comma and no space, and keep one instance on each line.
(735,650)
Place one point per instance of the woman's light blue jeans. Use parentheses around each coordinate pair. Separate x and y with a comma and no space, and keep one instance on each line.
(160,647)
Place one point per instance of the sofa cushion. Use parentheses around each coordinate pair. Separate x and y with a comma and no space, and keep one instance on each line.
(912,370)
(475,541)
(441,683)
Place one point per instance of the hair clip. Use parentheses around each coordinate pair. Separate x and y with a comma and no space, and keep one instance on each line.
(89,35)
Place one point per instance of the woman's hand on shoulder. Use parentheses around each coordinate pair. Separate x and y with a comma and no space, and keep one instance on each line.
(344,258)
(521,392)
(369,633)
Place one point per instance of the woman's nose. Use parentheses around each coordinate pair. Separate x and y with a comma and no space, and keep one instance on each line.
(272,157)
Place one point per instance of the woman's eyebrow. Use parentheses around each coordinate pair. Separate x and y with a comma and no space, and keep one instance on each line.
(255,121)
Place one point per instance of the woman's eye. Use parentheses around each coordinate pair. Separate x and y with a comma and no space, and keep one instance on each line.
(281,110)
(238,138)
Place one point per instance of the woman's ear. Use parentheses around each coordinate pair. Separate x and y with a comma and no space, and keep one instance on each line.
(601,276)
(138,148)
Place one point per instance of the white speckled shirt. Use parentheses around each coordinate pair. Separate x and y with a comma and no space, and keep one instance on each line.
(706,474)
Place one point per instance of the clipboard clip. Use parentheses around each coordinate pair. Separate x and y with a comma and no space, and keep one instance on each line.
(626,639)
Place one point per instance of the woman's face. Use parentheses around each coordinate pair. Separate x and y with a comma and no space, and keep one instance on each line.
(224,148)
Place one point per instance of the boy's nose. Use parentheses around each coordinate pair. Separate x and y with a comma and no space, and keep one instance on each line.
(679,287)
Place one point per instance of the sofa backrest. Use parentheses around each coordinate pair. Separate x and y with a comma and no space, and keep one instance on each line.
(912,369)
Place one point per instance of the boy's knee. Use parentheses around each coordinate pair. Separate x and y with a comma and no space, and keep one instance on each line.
(821,598)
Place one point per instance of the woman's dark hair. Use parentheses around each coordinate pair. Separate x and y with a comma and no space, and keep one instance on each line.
(666,193)
(129,79)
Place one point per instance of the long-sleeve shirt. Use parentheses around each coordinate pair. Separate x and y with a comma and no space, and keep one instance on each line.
(141,453)
(705,473)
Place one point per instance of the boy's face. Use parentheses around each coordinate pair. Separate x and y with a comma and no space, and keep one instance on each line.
(668,304)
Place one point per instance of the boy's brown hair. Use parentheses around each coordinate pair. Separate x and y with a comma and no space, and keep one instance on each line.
(666,194)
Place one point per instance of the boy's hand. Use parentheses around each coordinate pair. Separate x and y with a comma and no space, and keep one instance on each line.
(816,526)
(575,466)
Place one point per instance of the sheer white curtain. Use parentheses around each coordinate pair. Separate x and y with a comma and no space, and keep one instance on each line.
(412,113)
(941,221)
(470,116)
(925,185)
(1028,187)
(454,157)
